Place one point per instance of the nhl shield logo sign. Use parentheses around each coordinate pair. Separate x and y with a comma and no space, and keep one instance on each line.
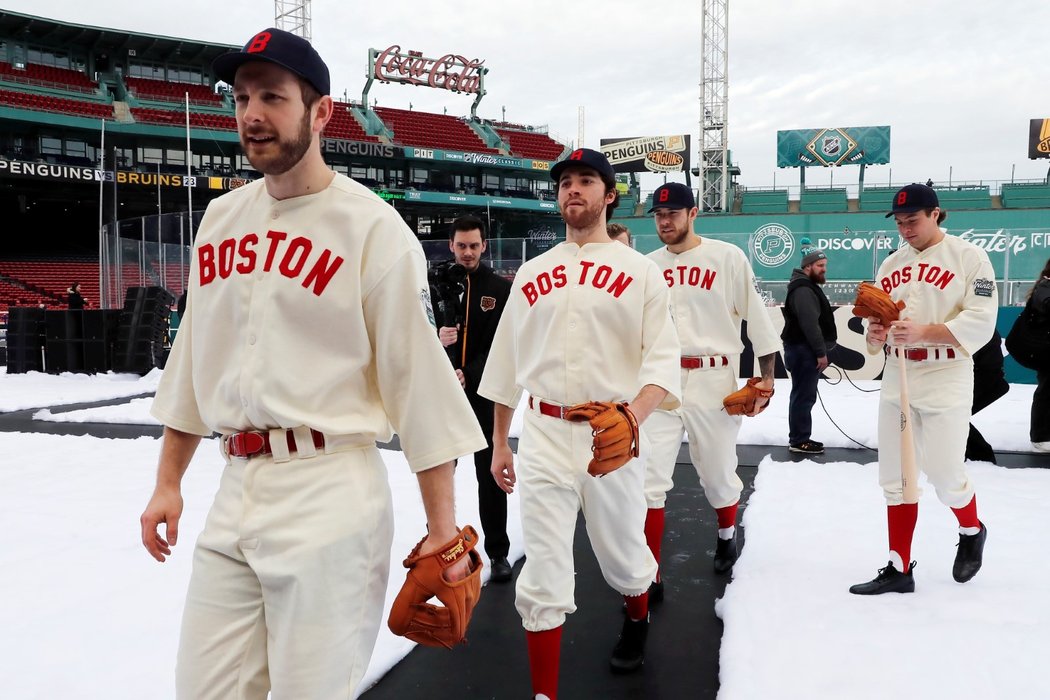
(832,146)
(488,303)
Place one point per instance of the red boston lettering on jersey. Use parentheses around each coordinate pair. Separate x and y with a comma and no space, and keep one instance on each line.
(691,276)
(246,251)
(902,197)
(544,283)
(258,42)
(927,273)
(206,263)
(603,277)
(239,255)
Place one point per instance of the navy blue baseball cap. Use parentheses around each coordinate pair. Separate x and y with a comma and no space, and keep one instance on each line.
(586,158)
(281,48)
(912,198)
(673,195)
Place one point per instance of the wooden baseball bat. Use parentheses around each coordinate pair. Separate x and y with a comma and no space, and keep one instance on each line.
(909,470)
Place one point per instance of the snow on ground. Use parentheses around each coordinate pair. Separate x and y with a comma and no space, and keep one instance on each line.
(794,632)
(88,613)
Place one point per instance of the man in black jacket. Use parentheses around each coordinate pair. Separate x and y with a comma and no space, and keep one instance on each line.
(809,333)
(481,305)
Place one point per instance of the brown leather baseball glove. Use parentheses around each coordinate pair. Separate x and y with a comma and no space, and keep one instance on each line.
(872,301)
(615,431)
(413,617)
(742,401)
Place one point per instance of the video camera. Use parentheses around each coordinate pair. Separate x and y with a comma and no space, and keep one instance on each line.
(447,283)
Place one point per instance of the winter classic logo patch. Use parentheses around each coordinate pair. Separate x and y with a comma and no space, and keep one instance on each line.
(983,287)
(424,296)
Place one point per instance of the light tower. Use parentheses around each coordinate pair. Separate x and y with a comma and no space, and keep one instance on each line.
(293,16)
(714,100)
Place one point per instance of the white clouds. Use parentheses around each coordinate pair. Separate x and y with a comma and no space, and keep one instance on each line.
(957,82)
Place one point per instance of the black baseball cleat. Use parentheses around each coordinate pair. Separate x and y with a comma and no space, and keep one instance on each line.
(501,570)
(889,580)
(656,592)
(808,447)
(970,555)
(726,554)
(629,653)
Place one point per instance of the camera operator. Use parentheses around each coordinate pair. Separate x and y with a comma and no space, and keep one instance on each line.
(484,296)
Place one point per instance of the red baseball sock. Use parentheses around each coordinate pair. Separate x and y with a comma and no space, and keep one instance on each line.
(654,534)
(544,657)
(967,515)
(637,606)
(901,520)
(727,516)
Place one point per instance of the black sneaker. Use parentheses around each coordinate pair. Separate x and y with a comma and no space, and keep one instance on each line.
(726,554)
(969,556)
(629,653)
(807,448)
(889,580)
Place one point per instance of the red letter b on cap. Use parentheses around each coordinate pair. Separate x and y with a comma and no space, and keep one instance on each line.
(902,197)
(258,42)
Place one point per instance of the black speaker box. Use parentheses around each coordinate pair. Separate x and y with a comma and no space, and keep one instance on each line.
(142,329)
(65,356)
(64,324)
(25,340)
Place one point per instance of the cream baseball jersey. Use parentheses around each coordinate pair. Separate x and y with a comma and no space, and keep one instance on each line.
(704,283)
(313,311)
(951,282)
(582,324)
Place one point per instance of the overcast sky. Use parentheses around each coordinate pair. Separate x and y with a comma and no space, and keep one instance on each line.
(956,80)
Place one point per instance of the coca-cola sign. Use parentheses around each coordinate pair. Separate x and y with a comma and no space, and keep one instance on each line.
(450,72)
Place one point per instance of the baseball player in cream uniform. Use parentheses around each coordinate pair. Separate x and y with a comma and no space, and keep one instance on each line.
(305,290)
(712,289)
(951,301)
(586,321)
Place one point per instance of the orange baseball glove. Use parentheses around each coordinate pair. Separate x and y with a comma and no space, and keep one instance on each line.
(413,617)
(742,401)
(615,431)
(872,301)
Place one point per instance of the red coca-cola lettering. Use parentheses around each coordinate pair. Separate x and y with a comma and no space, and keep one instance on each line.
(450,72)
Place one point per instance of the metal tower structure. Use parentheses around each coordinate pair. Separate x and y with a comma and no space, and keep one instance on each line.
(714,99)
(293,16)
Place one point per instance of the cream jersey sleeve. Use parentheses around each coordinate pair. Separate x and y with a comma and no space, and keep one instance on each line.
(749,306)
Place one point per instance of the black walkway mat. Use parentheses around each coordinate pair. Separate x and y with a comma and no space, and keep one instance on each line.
(684,635)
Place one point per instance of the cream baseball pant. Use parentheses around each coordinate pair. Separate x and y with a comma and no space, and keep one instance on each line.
(712,439)
(554,486)
(289,578)
(940,394)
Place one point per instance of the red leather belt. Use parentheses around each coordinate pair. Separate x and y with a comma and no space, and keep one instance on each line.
(700,362)
(920,354)
(252,444)
(553,410)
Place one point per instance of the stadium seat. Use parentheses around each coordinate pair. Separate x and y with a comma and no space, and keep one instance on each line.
(432,130)
(764,202)
(528,144)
